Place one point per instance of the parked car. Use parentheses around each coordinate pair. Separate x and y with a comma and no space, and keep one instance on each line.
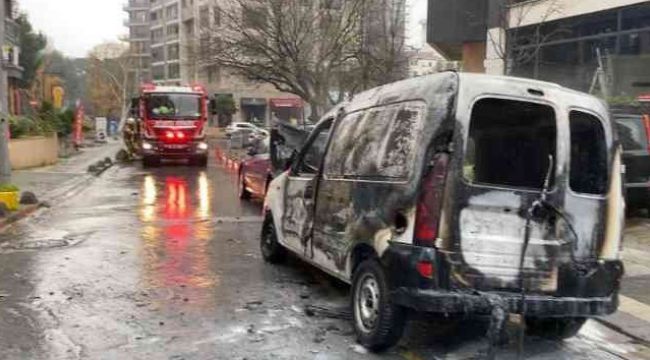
(243,127)
(634,134)
(258,135)
(418,194)
(255,172)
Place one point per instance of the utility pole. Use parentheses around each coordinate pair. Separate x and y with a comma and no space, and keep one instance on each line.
(5,166)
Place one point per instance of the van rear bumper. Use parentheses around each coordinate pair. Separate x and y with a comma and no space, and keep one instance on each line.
(448,302)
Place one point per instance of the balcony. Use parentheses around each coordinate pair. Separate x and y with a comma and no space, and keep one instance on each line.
(11,31)
(132,5)
(135,22)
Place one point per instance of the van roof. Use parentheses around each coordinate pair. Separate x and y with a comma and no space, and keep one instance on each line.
(424,87)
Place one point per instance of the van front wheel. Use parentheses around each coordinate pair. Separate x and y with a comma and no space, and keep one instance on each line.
(272,251)
(555,329)
(378,322)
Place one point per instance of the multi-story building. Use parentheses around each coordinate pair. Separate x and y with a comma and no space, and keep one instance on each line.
(427,61)
(139,38)
(256,101)
(10,70)
(565,41)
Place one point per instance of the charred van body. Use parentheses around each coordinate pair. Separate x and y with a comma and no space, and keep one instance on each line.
(446,192)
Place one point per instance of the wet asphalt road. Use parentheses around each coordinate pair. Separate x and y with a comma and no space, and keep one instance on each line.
(164,264)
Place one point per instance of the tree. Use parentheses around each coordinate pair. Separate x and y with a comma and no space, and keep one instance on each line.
(317,50)
(225,108)
(512,42)
(71,71)
(108,80)
(32,45)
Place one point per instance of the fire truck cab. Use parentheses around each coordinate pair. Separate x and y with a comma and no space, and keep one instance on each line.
(172,124)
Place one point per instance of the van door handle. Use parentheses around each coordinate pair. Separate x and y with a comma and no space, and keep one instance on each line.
(309,192)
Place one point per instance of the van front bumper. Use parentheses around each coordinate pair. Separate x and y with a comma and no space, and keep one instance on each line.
(482,303)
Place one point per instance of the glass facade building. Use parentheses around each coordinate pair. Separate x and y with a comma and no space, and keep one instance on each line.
(567,51)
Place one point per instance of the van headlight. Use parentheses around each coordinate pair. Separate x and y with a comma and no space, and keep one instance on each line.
(202,146)
(147,146)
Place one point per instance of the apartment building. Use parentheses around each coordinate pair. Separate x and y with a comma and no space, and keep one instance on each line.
(164,37)
(139,38)
(564,41)
(10,70)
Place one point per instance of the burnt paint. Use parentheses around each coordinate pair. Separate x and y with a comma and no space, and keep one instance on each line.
(357,211)
(557,263)
(350,213)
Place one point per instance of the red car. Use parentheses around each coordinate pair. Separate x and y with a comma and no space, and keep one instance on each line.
(255,173)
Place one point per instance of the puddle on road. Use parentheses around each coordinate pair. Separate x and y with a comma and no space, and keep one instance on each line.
(44,240)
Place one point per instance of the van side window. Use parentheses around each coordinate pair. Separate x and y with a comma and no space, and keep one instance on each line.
(509,143)
(378,143)
(588,154)
(313,157)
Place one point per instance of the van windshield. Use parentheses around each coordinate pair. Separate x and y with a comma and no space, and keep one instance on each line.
(509,143)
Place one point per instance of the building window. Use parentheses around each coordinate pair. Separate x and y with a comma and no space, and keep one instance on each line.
(174,71)
(216,14)
(158,72)
(157,36)
(173,52)
(157,55)
(172,12)
(204,17)
(172,32)
(214,74)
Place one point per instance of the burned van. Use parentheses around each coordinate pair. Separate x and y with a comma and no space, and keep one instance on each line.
(458,194)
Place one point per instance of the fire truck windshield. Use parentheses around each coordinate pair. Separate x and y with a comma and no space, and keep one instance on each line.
(173,106)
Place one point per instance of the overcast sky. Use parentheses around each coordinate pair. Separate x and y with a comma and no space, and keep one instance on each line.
(75,26)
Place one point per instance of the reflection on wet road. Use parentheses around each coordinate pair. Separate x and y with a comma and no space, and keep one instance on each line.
(164,264)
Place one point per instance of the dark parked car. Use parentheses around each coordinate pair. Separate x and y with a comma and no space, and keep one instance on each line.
(255,172)
(634,134)
(458,194)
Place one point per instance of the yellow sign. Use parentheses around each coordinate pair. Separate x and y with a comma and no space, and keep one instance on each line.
(58,93)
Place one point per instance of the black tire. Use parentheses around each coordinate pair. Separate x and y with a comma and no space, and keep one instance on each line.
(387,327)
(150,161)
(244,194)
(554,329)
(272,251)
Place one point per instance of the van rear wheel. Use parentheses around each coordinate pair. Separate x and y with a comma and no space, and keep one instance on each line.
(378,323)
(555,329)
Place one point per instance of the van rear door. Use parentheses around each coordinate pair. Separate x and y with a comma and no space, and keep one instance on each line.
(509,148)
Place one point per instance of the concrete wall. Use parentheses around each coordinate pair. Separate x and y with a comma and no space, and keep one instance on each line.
(33,152)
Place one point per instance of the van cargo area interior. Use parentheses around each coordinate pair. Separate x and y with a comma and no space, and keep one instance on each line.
(509,143)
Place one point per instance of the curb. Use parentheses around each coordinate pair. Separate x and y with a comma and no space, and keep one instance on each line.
(19,215)
(617,328)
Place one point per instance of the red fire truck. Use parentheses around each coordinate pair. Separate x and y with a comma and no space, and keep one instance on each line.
(172,123)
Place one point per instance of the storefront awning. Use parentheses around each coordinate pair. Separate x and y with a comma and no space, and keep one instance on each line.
(287,103)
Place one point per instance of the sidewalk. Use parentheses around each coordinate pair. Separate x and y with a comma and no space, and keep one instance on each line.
(48,182)
(633,316)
